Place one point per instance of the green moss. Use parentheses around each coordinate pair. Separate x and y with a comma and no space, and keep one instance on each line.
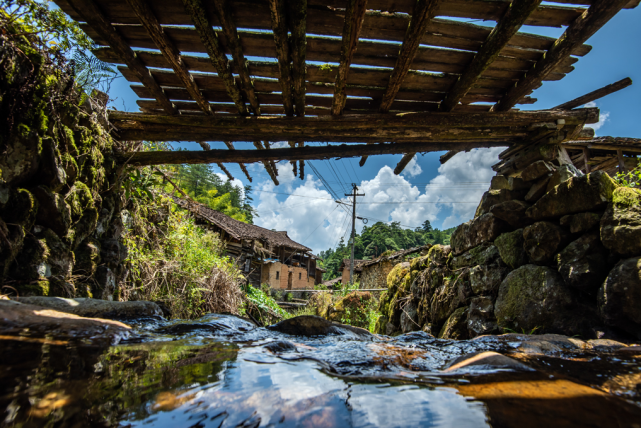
(396,275)
(35,288)
(626,197)
(510,246)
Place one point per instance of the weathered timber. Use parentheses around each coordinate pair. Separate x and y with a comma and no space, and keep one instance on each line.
(515,15)
(217,57)
(447,156)
(226,19)
(421,15)
(354,14)
(222,167)
(279,30)
(293,144)
(230,146)
(622,168)
(90,13)
(586,159)
(204,144)
(301,162)
(297,19)
(400,166)
(263,160)
(595,95)
(599,13)
(305,153)
(271,162)
(169,50)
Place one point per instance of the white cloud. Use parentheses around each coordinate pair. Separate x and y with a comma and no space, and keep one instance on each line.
(279,145)
(603,117)
(413,168)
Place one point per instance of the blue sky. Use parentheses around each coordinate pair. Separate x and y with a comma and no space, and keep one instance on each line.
(446,195)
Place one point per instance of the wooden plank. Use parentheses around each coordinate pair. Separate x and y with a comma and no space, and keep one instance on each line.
(505,29)
(217,58)
(447,156)
(271,162)
(306,153)
(595,95)
(297,18)
(230,146)
(279,30)
(226,19)
(407,158)
(622,168)
(227,173)
(168,49)
(268,166)
(354,15)
(586,159)
(576,34)
(422,13)
(90,13)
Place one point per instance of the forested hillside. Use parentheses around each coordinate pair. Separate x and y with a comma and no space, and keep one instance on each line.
(380,238)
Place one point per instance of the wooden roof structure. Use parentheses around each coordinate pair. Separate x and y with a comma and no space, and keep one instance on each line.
(608,154)
(390,73)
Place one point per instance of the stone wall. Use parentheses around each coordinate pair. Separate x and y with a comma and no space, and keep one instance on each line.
(60,199)
(550,251)
(375,275)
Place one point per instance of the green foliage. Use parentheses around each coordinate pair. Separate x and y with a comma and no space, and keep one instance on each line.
(263,301)
(629,179)
(382,239)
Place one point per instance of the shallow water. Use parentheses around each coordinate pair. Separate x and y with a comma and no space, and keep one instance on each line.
(220,371)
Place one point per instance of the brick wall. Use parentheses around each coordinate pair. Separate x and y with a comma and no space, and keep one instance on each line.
(269,277)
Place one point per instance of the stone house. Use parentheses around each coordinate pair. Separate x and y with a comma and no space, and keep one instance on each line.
(373,273)
(345,268)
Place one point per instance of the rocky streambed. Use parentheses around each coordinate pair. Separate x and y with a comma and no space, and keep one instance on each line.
(223,371)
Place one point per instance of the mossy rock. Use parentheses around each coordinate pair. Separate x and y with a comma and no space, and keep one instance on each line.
(483,254)
(31,261)
(381,324)
(352,309)
(87,256)
(419,263)
(322,302)
(34,288)
(621,223)
(456,325)
(438,254)
(396,275)
(21,208)
(510,248)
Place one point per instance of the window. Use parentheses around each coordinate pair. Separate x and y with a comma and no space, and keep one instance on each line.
(300,275)
(277,274)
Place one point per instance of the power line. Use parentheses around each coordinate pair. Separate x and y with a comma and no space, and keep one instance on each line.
(321,223)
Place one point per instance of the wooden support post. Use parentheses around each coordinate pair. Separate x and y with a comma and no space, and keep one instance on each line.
(169,51)
(89,11)
(515,16)
(595,95)
(271,162)
(204,145)
(230,31)
(298,27)
(424,11)
(586,159)
(447,156)
(266,163)
(599,13)
(301,163)
(407,158)
(218,58)
(622,168)
(279,29)
(230,146)
(354,15)
(292,144)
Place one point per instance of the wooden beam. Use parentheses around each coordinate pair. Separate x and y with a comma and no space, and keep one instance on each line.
(90,12)
(292,144)
(222,167)
(279,29)
(354,15)
(514,17)
(298,26)
(586,159)
(225,16)
(595,95)
(306,153)
(230,146)
(447,156)
(622,168)
(169,51)
(265,162)
(271,162)
(217,57)
(301,163)
(423,12)
(407,158)
(583,27)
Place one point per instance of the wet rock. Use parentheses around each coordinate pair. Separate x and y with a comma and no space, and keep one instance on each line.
(538,189)
(508,183)
(482,229)
(480,318)
(579,194)
(485,279)
(110,253)
(543,240)
(583,263)
(537,170)
(87,257)
(535,298)
(456,325)
(563,174)
(280,347)
(495,197)
(105,283)
(310,325)
(59,257)
(579,223)
(621,223)
(96,308)
(510,248)
(53,211)
(483,254)
(512,212)
(542,344)
(213,323)
(444,301)
(486,360)
(619,297)
(605,345)
(409,318)
(25,321)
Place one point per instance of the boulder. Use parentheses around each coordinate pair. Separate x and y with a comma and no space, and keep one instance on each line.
(25,321)
(581,222)
(621,223)
(105,283)
(311,325)
(563,174)
(53,211)
(508,183)
(96,308)
(444,300)
(456,325)
(483,254)
(512,212)
(510,248)
(485,279)
(538,189)
(535,298)
(583,263)
(578,194)
(480,317)
(482,229)
(409,318)
(619,298)
(536,170)
(543,240)
(494,197)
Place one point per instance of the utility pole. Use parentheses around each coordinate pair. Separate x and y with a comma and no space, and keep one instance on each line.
(351,260)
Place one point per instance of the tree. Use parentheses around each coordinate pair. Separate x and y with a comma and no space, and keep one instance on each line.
(427,227)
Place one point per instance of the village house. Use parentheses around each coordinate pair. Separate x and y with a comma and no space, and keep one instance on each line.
(264,256)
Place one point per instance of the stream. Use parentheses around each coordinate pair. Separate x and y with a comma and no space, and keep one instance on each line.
(222,371)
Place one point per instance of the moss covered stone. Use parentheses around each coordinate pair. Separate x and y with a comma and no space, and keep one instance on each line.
(510,248)
(456,325)
(621,223)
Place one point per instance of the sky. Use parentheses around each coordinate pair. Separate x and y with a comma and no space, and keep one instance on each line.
(446,195)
